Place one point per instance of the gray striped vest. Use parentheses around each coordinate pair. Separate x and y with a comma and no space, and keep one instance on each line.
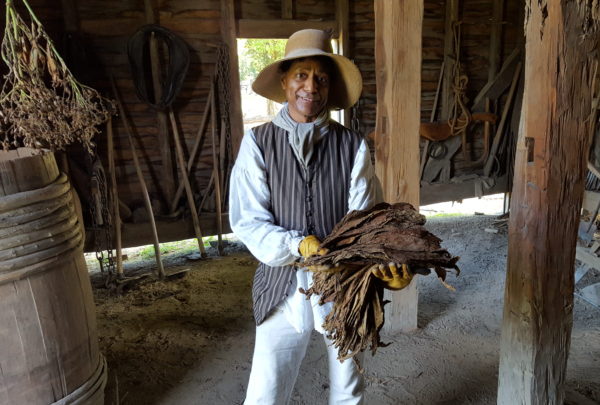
(309,200)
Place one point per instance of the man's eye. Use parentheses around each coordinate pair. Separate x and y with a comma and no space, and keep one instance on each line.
(300,75)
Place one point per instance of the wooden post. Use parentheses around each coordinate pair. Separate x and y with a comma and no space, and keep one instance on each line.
(114,196)
(342,16)
(216,167)
(167,183)
(70,16)
(228,32)
(398,26)
(549,176)
(449,57)
(287,9)
(495,38)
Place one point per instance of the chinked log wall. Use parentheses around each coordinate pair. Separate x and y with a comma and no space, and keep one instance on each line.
(108,24)
(476,17)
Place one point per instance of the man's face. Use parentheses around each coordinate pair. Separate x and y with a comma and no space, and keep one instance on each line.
(306,86)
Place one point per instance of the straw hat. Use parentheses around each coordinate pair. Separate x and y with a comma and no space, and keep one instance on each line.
(346,86)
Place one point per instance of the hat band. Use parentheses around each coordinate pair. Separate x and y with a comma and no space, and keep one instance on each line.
(302,52)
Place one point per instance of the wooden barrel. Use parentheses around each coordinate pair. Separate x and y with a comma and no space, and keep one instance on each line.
(48,341)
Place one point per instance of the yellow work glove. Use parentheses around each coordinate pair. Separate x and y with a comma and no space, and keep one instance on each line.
(309,246)
(392,278)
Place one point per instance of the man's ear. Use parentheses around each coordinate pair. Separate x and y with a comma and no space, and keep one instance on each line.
(283,82)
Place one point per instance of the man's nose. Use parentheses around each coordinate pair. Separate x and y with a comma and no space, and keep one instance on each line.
(311,85)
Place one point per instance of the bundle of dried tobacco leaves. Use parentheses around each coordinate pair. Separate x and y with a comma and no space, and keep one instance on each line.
(386,233)
(41,102)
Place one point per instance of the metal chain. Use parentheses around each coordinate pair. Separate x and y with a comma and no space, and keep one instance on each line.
(224,99)
(356,115)
(102,225)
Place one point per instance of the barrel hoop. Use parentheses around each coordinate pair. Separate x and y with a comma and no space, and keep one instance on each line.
(24,250)
(87,393)
(32,212)
(61,214)
(24,261)
(17,200)
(41,266)
(50,232)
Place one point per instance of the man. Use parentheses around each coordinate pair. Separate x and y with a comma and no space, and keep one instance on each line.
(294,179)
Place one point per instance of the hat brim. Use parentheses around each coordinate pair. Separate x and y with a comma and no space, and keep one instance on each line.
(344,91)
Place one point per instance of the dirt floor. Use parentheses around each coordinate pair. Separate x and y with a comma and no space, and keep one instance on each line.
(189,340)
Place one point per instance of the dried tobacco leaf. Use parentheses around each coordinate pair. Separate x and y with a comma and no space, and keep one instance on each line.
(385,233)
(42,105)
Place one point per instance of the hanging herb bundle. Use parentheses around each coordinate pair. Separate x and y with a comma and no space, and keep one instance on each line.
(41,103)
(363,239)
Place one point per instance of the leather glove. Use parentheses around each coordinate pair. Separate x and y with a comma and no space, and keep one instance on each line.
(309,246)
(392,277)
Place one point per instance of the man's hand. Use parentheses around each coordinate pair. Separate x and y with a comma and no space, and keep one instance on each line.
(309,246)
(393,278)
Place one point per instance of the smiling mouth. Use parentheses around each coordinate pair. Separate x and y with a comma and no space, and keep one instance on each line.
(308,100)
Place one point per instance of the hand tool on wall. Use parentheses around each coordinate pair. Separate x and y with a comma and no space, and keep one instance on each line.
(216,167)
(138,170)
(115,197)
(489,164)
(425,154)
(195,149)
(186,182)
(176,72)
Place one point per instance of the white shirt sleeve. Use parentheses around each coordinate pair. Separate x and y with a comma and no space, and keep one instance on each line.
(250,214)
(365,188)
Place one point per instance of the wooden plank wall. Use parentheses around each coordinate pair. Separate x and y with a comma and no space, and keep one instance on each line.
(476,16)
(271,9)
(108,25)
(362,38)
(362,51)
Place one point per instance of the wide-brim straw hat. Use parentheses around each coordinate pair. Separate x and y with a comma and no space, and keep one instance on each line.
(345,87)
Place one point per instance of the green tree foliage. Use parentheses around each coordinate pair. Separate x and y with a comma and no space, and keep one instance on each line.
(258,53)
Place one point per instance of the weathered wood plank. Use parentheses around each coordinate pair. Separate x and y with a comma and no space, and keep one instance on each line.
(452,8)
(398,61)
(229,37)
(280,29)
(549,175)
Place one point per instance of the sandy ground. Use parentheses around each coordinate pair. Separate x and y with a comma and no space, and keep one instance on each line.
(190,340)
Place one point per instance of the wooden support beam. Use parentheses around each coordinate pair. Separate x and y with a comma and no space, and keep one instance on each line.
(342,16)
(280,29)
(70,16)
(449,57)
(235,109)
(495,38)
(498,85)
(167,183)
(549,176)
(398,27)
(287,9)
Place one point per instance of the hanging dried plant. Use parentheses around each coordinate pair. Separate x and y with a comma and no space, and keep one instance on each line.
(41,103)
(363,239)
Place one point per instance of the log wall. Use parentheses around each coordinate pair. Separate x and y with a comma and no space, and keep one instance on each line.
(106,26)
(476,18)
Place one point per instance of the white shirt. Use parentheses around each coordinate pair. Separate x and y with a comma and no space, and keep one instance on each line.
(251,220)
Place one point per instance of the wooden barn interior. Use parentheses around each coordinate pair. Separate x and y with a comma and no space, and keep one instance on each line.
(460,99)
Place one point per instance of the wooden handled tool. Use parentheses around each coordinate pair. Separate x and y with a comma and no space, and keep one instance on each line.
(148,204)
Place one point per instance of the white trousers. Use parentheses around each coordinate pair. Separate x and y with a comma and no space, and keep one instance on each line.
(278,352)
